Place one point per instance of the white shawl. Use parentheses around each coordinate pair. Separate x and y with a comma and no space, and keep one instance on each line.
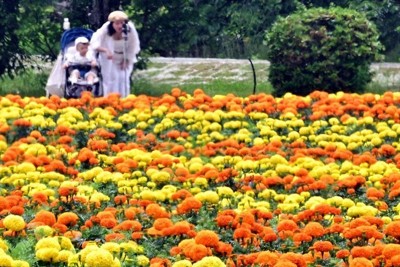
(113,80)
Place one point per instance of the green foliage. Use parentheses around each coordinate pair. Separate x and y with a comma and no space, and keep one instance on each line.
(27,83)
(212,28)
(326,49)
(24,250)
(385,14)
(39,28)
(11,55)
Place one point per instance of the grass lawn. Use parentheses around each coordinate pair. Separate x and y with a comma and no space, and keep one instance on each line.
(215,77)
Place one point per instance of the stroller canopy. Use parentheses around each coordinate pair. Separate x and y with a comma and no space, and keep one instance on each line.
(70,35)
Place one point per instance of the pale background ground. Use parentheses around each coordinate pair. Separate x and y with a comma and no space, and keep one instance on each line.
(195,70)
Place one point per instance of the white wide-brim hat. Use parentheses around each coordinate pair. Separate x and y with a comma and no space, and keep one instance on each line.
(117,15)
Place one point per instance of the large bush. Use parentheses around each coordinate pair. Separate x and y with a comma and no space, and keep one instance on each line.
(326,49)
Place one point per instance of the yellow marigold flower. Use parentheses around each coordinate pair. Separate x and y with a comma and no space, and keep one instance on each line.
(200,181)
(14,222)
(48,242)
(3,146)
(43,231)
(99,258)
(160,177)
(142,260)
(3,245)
(224,191)
(63,256)
(128,247)
(25,167)
(73,260)
(111,247)
(209,261)
(208,196)
(65,243)
(148,195)
(182,263)
(47,254)
(20,263)
(5,260)
(99,197)
(87,250)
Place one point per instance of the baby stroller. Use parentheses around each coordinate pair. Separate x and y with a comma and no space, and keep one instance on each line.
(59,82)
(74,90)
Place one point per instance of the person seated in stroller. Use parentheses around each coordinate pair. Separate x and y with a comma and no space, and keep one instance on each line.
(81,64)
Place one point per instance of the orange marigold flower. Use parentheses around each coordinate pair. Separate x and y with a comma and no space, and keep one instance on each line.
(301,237)
(268,234)
(390,250)
(359,222)
(17,210)
(393,229)
(224,221)
(242,233)
(189,204)
(120,200)
(59,227)
(128,225)
(162,223)
(182,228)
(114,237)
(287,225)
(295,258)
(160,262)
(197,252)
(323,246)
(105,215)
(67,191)
(362,252)
(136,235)
(65,139)
(352,233)
(130,213)
(224,248)
(314,229)
(68,218)
(267,258)
(207,238)
(40,198)
(45,217)
(174,251)
(360,262)
(156,211)
(108,223)
(22,123)
(374,193)
(336,228)
(284,263)
(395,260)
(244,217)
(343,253)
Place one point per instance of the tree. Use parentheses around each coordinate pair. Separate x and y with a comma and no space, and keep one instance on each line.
(39,28)
(163,26)
(11,55)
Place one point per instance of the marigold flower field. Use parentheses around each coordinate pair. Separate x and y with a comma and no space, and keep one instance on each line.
(197,180)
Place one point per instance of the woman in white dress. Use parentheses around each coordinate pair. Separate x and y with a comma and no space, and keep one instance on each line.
(118,43)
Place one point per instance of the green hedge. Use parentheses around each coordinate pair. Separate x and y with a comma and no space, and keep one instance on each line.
(325,49)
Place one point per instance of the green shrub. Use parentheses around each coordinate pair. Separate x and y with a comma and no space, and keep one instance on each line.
(325,49)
